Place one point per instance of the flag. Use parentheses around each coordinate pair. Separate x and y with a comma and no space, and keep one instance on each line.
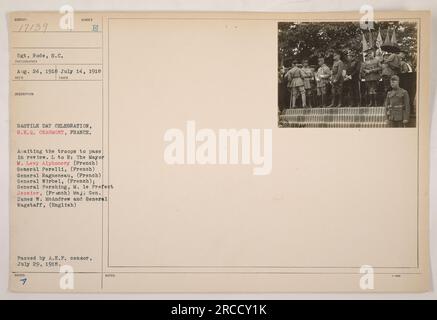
(379,39)
(393,37)
(387,38)
(370,39)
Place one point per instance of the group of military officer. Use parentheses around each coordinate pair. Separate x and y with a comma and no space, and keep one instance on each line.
(351,83)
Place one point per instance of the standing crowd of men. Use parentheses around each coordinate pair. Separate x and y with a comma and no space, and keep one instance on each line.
(351,83)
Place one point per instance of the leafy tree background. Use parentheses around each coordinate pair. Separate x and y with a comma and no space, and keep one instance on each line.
(313,40)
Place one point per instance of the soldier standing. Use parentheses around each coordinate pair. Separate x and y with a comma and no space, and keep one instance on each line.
(397,104)
(352,79)
(322,77)
(307,80)
(295,84)
(386,75)
(405,66)
(282,89)
(393,61)
(407,78)
(370,69)
(337,80)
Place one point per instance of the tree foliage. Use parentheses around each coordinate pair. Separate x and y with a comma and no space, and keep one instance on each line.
(316,39)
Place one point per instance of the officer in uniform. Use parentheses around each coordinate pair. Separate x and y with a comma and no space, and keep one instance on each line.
(337,80)
(405,66)
(370,70)
(394,62)
(295,83)
(386,74)
(407,78)
(322,77)
(397,104)
(308,79)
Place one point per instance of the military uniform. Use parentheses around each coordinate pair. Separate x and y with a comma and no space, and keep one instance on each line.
(394,63)
(386,74)
(406,67)
(295,79)
(397,104)
(370,70)
(322,78)
(295,83)
(308,83)
(407,80)
(337,82)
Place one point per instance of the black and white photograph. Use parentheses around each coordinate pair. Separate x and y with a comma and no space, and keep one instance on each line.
(347,74)
(179,153)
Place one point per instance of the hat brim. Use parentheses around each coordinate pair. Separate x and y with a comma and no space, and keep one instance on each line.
(391,48)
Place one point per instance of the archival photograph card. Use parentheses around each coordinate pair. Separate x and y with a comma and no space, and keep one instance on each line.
(219,152)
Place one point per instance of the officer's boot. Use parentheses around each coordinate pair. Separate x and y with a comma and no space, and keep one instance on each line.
(304,103)
(310,102)
(293,100)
